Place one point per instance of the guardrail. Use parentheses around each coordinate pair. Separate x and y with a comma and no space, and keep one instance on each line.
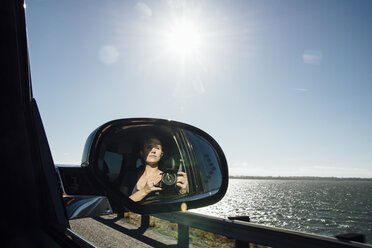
(245,232)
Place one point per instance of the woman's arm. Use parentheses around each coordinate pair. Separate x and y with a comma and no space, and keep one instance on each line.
(139,195)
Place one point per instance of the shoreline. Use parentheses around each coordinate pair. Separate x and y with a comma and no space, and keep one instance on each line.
(302,178)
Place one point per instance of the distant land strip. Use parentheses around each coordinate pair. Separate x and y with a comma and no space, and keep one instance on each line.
(301,178)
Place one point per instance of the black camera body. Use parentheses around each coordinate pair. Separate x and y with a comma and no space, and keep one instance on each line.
(168,179)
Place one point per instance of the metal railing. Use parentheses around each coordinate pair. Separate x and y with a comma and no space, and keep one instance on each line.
(245,232)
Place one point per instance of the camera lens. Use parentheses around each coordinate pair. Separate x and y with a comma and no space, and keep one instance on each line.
(169,178)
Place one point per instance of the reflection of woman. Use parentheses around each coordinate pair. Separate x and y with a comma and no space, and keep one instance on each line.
(150,175)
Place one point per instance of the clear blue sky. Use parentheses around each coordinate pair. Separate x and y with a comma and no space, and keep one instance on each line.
(285,87)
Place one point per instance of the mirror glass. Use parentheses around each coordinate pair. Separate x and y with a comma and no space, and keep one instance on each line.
(152,163)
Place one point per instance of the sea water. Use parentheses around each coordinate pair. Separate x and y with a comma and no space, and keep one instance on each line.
(325,207)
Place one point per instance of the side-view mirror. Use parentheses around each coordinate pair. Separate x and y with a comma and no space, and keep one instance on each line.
(149,166)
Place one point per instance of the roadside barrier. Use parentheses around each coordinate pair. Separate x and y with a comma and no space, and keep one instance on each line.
(246,232)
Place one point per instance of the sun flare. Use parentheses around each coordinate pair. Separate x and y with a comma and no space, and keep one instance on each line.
(184,40)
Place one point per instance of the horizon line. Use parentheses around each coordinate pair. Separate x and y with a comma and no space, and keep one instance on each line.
(297,177)
(264,177)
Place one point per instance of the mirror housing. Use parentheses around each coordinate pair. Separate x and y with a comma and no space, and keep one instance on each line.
(113,162)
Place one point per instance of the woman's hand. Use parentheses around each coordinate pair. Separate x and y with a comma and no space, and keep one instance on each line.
(182,182)
(149,186)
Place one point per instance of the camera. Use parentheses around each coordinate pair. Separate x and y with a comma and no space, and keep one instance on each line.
(168,179)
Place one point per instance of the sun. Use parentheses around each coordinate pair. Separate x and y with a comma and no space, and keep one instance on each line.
(184,40)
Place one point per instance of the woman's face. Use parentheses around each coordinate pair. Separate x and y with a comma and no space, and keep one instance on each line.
(152,151)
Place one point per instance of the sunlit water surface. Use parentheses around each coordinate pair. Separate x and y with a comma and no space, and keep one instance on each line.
(314,206)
